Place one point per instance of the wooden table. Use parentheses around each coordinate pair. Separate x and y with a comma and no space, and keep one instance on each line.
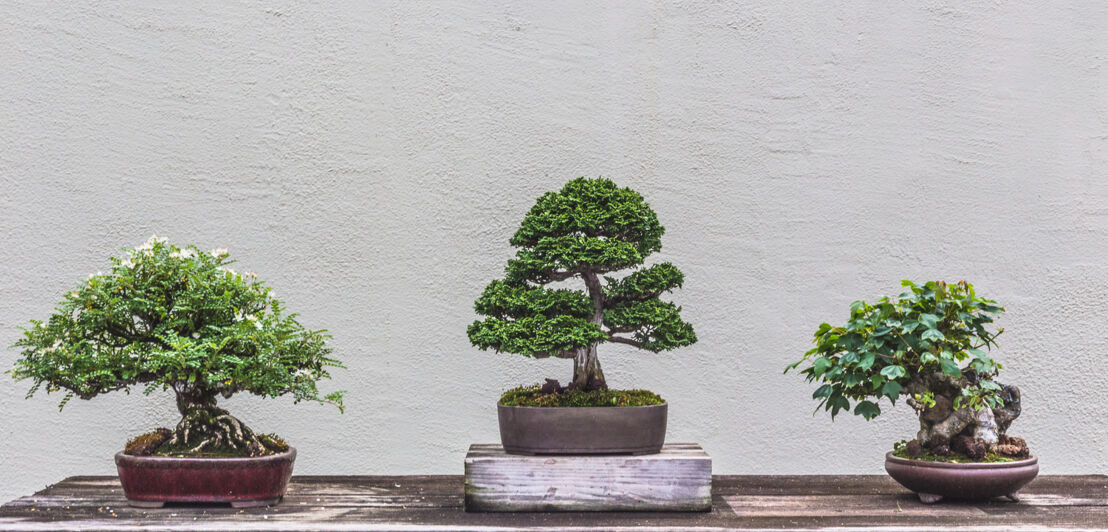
(435,503)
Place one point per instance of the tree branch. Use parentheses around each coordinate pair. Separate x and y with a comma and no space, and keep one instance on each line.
(623,340)
(623,329)
(560,276)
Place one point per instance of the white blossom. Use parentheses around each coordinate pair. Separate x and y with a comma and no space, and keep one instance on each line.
(186,253)
(218,252)
(127,263)
(147,248)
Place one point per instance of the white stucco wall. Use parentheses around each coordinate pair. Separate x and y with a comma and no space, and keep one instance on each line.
(370,161)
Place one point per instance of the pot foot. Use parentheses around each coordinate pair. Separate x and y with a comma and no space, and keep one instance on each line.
(255,503)
(929,498)
(1014,496)
(145,504)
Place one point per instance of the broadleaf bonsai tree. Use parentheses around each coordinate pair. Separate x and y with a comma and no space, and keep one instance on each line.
(181,319)
(931,346)
(589,229)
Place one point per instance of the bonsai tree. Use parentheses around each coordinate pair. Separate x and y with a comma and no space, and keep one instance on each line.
(930,345)
(587,230)
(180,319)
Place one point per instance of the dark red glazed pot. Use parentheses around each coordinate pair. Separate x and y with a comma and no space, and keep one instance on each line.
(151,481)
(934,480)
(582,429)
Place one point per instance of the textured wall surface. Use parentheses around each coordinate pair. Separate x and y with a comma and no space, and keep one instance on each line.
(370,160)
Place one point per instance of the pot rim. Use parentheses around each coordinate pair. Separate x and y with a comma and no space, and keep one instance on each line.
(1031,460)
(122,456)
(617,407)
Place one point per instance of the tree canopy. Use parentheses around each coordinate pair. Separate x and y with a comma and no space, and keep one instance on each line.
(896,345)
(591,227)
(176,318)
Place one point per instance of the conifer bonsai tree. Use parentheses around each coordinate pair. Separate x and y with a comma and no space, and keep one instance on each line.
(930,346)
(587,231)
(178,319)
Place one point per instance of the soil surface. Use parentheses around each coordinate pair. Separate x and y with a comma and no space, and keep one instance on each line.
(554,395)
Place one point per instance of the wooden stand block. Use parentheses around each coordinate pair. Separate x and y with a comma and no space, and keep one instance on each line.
(678,479)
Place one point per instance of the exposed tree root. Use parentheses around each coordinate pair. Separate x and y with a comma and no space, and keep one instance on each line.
(208,429)
(944,429)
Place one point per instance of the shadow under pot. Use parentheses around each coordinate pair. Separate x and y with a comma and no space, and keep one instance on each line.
(534,430)
(152,481)
(933,481)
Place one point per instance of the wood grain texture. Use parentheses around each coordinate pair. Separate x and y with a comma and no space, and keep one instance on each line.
(418,503)
(678,479)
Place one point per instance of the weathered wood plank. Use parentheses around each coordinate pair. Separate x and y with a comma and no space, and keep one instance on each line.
(679,478)
(435,503)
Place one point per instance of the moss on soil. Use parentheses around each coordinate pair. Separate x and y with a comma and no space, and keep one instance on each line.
(533,396)
(955,457)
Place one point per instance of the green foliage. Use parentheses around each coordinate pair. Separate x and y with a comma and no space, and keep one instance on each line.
(533,396)
(592,208)
(589,228)
(536,336)
(645,283)
(507,301)
(655,324)
(169,317)
(930,328)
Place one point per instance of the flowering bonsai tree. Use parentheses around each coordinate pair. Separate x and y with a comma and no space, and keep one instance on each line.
(928,345)
(587,230)
(180,319)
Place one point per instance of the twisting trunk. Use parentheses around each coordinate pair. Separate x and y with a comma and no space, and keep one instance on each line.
(206,427)
(587,374)
(944,427)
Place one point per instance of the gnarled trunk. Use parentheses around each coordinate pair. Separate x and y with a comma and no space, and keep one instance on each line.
(941,423)
(206,427)
(587,374)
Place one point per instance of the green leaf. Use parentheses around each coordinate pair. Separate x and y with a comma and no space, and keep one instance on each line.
(891,390)
(836,403)
(820,366)
(867,361)
(822,391)
(929,320)
(893,372)
(950,368)
(867,410)
(933,335)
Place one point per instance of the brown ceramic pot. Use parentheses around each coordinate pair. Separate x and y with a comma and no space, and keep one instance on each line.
(933,481)
(582,429)
(151,481)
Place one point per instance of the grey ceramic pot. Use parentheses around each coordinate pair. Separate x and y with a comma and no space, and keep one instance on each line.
(583,430)
(933,481)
